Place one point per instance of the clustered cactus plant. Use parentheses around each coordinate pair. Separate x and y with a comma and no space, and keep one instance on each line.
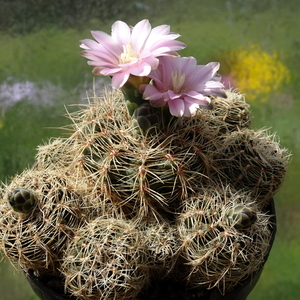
(128,200)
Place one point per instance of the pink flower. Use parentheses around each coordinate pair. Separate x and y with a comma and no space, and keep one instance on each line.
(129,50)
(183,85)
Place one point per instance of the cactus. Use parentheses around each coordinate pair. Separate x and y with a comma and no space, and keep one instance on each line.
(163,246)
(110,200)
(234,111)
(104,259)
(219,247)
(35,239)
(255,160)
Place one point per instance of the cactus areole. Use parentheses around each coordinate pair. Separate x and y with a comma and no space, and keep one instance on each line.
(162,190)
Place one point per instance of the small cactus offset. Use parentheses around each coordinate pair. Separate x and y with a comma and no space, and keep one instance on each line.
(106,258)
(224,237)
(242,216)
(21,200)
(160,181)
(234,111)
(35,236)
(256,161)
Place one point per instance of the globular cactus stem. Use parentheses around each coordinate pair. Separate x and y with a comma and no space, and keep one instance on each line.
(129,198)
(22,200)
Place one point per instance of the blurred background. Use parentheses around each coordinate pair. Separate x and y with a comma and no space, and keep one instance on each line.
(257,43)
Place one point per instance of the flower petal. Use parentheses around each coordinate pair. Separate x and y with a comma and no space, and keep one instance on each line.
(89,44)
(121,33)
(203,102)
(151,92)
(97,58)
(107,42)
(158,103)
(176,107)
(140,34)
(190,110)
(207,72)
(142,69)
(119,79)
(110,71)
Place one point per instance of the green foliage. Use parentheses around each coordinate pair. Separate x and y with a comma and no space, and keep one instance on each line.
(49,54)
(279,279)
(13,284)
(24,126)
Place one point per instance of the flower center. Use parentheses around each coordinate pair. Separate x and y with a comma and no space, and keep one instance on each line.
(178,80)
(128,54)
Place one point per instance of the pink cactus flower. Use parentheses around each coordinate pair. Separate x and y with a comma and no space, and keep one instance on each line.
(129,50)
(183,85)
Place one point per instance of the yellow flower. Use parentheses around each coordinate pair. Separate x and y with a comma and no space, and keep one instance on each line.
(256,72)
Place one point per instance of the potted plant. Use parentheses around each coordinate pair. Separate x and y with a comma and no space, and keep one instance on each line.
(161,190)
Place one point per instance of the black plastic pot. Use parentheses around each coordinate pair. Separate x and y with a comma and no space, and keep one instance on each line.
(45,289)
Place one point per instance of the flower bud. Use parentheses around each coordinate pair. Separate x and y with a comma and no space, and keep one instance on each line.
(147,117)
(241,217)
(21,200)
